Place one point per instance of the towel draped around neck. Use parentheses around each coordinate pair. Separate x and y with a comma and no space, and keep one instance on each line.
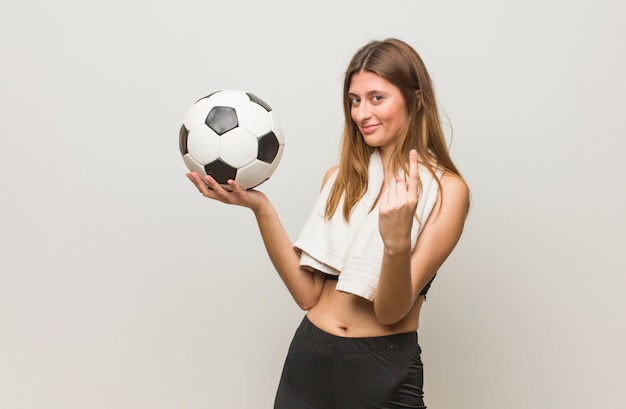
(353,251)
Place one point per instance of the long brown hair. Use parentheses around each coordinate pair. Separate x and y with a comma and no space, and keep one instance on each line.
(400,64)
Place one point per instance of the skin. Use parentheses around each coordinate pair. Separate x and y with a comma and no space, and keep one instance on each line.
(379,110)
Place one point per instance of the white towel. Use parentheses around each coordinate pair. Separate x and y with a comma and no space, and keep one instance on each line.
(353,251)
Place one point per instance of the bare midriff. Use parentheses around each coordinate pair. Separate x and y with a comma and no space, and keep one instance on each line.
(348,315)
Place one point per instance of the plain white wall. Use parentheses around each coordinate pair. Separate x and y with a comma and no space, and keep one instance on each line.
(120,287)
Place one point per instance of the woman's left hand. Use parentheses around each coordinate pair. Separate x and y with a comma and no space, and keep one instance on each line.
(397,207)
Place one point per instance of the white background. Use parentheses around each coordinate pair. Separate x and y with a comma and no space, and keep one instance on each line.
(121,287)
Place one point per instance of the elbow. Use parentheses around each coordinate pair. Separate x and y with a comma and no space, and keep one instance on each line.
(306,304)
(308,297)
(389,314)
(387,321)
(306,307)
(388,318)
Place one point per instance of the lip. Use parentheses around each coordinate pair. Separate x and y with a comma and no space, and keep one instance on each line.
(368,129)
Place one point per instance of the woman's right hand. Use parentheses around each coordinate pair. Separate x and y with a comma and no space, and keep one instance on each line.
(208,187)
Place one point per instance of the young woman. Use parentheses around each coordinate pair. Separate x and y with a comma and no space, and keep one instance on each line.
(387,218)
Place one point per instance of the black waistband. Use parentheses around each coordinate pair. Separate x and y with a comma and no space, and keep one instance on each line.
(361,344)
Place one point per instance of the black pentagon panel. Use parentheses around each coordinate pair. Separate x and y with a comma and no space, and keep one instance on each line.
(220,171)
(183,140)
(222,119)
(259,101)
(268,147)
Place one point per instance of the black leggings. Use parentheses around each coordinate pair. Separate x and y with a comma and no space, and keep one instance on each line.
(325,371)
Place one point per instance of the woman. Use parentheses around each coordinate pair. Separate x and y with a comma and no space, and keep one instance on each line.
(387,218)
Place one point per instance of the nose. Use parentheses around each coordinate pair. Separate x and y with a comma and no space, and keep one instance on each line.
(361,112)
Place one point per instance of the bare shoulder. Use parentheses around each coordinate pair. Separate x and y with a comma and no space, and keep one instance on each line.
(454,184)
(455,193)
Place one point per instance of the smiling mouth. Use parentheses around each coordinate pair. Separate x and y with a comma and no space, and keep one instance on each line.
(367,129)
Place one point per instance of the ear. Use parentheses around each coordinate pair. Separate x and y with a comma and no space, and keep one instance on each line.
(418,95)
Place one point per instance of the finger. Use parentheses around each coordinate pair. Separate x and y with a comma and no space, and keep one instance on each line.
(191,176)
(392,191)
(195,179)
(213,185)
(400,183)
(234,186)
(399,190)
(413,173)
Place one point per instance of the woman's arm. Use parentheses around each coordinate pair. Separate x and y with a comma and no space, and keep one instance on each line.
(404,274)
(304,286)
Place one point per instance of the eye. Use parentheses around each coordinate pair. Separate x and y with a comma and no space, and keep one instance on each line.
(354,101)
(377,98)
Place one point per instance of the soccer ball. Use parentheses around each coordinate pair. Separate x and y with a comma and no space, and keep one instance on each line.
(232,135)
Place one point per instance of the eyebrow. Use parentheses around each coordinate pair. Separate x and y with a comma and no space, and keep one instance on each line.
(372,92)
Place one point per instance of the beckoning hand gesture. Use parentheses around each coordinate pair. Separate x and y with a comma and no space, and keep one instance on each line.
(397,207)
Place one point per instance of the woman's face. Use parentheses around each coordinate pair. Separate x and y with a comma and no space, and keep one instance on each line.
(377,107)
